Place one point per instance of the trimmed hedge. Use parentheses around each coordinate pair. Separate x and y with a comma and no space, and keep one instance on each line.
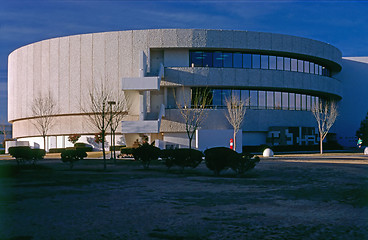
(117,147)
(126,151)
(83,147)
(146,153)
(56,150)
(183,157)
(73,155)
(221,158)
(25,153)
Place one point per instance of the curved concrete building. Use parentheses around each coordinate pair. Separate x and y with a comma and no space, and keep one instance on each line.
(282,76)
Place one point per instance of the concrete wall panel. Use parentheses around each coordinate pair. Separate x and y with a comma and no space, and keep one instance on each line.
(64,76)
(98,59)
(45,67)
(54,70)
(86,77)
(75,74)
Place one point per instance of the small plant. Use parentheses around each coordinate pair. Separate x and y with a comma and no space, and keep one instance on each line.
(72,155)
(146,153)
(74,138)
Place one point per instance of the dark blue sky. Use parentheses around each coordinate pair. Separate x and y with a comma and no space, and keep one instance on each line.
(343,24)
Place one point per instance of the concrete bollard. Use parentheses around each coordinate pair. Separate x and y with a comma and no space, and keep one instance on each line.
(366,151)
(267,153)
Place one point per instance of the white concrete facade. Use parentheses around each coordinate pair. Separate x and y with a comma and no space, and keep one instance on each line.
(152,65)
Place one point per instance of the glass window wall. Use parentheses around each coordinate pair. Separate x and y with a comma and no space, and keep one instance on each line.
(262,99)
(247,60)
(253,99)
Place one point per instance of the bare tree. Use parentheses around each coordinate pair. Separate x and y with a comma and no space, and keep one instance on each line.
(3,130)
(236,109)
(43,109)
(193,110)
(325,113)
(120,105)
(97,111)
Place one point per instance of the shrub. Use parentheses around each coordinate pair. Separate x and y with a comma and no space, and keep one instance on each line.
(24,153)
(221,158)
(73,155)
(83,147)
(2,151)
(146,153)
(183,157)
(56,150)
(245,163)
(126,151)
(116,147)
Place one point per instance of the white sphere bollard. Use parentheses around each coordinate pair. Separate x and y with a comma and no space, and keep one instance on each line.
(366,151)
(267,153)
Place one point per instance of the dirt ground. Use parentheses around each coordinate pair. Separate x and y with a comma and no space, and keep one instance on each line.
(282,198)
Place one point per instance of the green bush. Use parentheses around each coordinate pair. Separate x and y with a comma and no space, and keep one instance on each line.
(221,158)
(126,151)
(183,157)
(24,153)
(56,150)
(116,147)
(146,153)
(83,147)
(2,151)
(73,155)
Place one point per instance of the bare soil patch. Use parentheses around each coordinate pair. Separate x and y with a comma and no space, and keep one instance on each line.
(283,198)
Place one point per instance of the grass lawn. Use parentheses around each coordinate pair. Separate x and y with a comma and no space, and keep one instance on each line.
(283,198)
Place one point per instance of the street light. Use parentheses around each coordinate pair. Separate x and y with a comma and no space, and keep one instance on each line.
(111,144)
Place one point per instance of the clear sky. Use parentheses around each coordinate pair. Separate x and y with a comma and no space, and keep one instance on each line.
(343,24)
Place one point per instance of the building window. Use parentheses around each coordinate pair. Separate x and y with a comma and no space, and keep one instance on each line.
(287,64)
(256,61)
(294,65)
(278,102)
(207,59)
(228,59)
(262,99)
(285,101)
(264,61)
(247,60)
(238,63)
(306,66)
(272,62)
(270,100)
(280,63)
(217,59)
(253,99)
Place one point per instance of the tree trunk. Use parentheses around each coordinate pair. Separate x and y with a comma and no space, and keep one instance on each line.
(103,148)
(113,146)
(44,142)
(320,144)
(234,147)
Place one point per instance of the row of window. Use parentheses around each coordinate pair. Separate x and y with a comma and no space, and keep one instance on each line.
(258,99)
(249,60)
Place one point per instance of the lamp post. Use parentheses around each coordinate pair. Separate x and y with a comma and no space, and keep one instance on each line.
(111,144)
